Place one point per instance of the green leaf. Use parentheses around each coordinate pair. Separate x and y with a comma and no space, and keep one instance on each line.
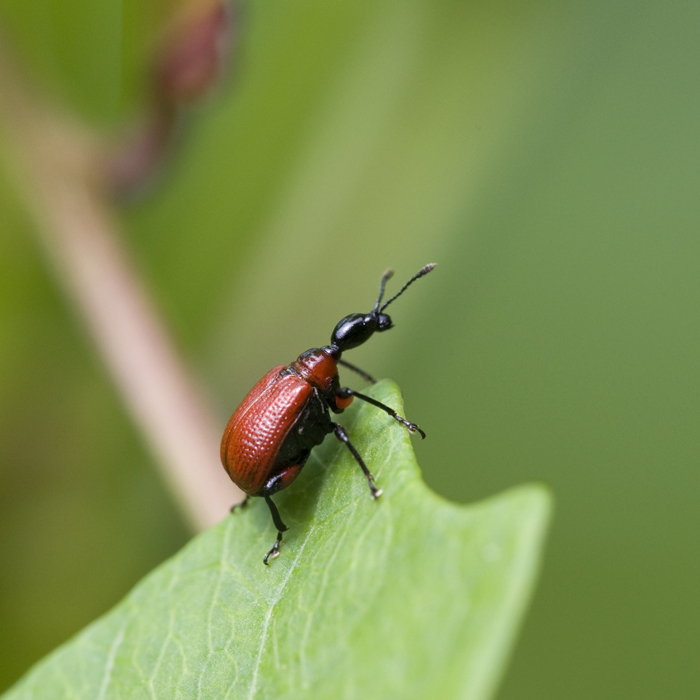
(408,596)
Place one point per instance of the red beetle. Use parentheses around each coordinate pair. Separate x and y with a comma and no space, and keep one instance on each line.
(286,414)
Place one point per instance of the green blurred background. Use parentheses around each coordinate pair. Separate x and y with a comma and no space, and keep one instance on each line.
(546,155)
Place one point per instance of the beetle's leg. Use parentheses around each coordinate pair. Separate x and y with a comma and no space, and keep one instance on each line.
(281,527)
(345,393)
(343,437)
(242,504)
(362,373)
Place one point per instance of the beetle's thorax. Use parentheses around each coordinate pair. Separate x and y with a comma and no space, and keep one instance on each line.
(319,367)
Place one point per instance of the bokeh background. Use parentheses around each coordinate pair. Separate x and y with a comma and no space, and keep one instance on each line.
(545,154)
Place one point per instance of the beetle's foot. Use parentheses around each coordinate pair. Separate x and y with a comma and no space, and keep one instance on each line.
(274,552)
(376,493)
(241,505)
(412,427)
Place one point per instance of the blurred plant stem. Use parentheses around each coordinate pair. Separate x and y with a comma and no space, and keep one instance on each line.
(187,61)
(59,169)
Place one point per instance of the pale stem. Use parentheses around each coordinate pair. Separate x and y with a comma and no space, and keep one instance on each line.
(57,171)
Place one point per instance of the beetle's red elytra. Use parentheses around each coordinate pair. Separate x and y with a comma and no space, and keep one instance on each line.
(287,413)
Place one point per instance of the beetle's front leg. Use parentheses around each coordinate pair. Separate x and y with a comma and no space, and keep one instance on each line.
(345,393)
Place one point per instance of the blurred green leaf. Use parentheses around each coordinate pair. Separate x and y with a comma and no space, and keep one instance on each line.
(409,596)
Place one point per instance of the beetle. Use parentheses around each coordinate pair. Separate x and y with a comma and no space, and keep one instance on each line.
(287,413)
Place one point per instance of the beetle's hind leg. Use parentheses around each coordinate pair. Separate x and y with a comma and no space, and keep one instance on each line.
(343,437)
(281,527)
(242,504)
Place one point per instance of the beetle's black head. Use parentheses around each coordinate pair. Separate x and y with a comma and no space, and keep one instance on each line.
(356,329)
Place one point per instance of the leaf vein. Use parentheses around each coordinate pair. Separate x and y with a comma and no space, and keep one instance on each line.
(266,623)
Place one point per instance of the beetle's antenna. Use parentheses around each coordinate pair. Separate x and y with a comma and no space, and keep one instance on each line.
(423,271)
(385,278)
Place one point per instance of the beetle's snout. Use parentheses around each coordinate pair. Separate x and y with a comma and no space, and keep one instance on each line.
(384,322)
